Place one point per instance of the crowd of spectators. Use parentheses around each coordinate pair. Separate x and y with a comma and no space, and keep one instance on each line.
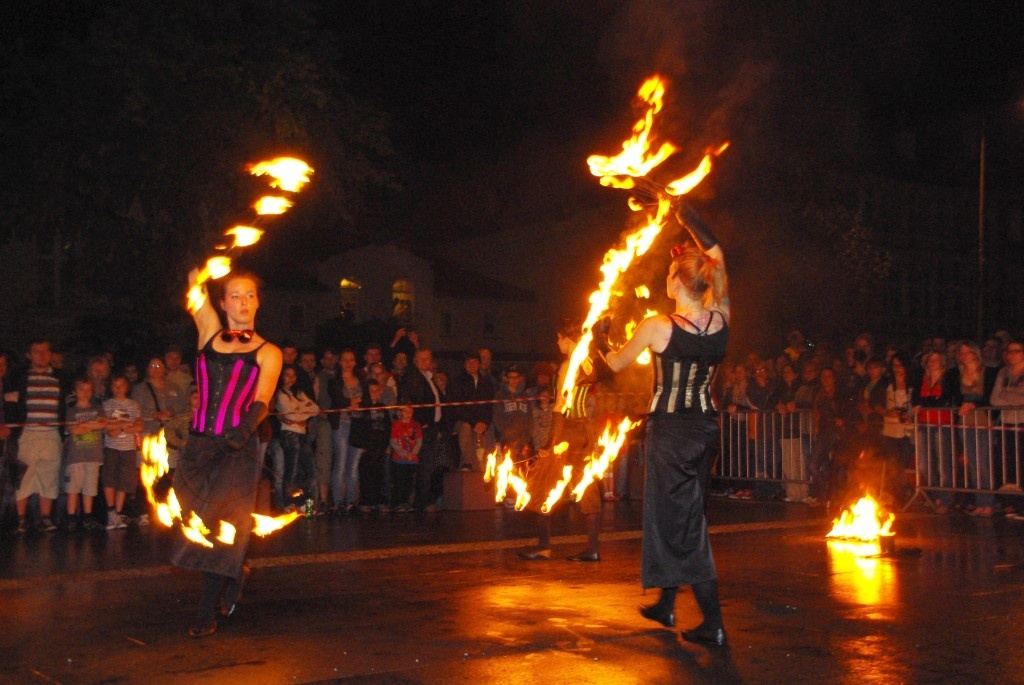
(373,430)
(944,413)
(348,434)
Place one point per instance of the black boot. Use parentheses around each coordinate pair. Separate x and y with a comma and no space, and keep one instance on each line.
(664,610)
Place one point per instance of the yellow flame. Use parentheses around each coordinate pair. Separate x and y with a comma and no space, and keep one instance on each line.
(683,185)
(196,530)
(244,235)
(271,204)
(556,492)
(265,525)
(288,173)
(611,441)
(227,533)
(215,267)
(616,262)
(642,292)
(636,158)
(560,448)
(862,522)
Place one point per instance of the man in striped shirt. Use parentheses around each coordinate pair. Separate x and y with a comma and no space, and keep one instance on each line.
(40,445)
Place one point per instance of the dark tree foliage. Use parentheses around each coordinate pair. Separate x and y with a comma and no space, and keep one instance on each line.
(127,127)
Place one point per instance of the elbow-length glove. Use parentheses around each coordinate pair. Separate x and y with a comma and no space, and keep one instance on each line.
(238,437)
(695,224)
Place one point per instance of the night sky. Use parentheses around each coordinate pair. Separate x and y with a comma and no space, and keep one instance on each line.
(492,108)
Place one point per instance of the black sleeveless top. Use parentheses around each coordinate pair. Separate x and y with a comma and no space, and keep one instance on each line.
(685,370)
(227,385)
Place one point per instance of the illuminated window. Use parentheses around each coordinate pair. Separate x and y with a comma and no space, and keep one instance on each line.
(403,300)
(351,290)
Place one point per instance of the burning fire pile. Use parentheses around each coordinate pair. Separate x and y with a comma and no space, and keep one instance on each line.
(864,522)
(628,170)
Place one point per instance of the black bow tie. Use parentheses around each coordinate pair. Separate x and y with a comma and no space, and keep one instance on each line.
(227,335)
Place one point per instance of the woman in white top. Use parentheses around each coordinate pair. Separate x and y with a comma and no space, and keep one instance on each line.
(295,410)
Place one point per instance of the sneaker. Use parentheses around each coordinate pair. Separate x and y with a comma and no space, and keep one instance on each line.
(22,526)
(383,508)
(73,526)
(144,520)
(403,508)
(92,524)
(365,508)
(121,522)
(46,525)
(111,519)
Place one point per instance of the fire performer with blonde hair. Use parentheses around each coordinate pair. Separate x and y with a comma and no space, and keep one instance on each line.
(217,476)
(682,432)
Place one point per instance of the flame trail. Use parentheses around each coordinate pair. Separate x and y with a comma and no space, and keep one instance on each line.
(288,174)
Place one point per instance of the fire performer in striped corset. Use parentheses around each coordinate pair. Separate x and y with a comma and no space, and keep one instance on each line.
(682,432)
(218,472)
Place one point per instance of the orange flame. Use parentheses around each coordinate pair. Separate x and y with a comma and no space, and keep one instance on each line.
(636,158)
(611,442)
(244,236)
(862,522)
(155,465)
(288,173)
(215,268)
(556,492)
(271,204)
(504,476)
(616,262)
(265,525)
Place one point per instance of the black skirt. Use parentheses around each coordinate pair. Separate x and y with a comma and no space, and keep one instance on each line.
(676,547)
(218,484)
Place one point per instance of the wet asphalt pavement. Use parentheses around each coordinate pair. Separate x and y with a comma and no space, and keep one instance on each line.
(443,598)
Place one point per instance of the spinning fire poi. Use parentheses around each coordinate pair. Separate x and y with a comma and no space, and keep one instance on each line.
(214,493)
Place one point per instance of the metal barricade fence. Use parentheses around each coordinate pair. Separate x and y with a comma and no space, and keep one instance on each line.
(767,446)
(978,452)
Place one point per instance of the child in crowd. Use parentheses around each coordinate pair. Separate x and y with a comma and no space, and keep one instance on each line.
(84,455)
(406,442)
(543,417)
(371,431)
(120,450)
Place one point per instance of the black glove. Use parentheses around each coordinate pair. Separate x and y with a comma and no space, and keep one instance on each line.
(600,335)
(238,437)
(697,227)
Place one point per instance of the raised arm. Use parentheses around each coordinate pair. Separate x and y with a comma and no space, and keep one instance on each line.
(207,321)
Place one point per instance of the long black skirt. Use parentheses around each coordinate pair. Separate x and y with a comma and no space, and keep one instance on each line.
(676,548)
(218,484)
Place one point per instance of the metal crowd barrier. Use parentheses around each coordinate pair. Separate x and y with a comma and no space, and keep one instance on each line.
(767,446)
(980,452)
